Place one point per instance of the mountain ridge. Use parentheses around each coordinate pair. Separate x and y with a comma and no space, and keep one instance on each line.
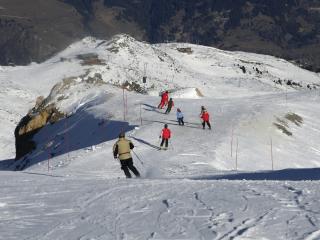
(287,29)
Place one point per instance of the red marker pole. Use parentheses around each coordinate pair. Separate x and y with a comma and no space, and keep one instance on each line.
(124,105)
(271,153)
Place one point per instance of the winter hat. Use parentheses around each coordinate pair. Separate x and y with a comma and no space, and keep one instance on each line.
(166,126)
(178,110)
(121,135)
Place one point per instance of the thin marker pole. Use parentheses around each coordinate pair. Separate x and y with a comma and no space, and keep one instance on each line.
(140,115)
(231,140)
(237,155)
(124,105)
(286,96)
(66,137)
(271,153)
(49,156)
(47,148)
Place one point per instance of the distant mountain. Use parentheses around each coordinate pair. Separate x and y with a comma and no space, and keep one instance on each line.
(290,29)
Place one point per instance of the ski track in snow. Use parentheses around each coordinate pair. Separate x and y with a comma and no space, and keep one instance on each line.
(205,210)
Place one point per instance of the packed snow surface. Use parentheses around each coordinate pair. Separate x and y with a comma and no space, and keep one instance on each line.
(255,175)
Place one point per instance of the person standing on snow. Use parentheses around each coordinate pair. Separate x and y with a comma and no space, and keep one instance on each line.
(205,118)
(165,135)
(180,117)
(121,150)
(170,105)
(164,99)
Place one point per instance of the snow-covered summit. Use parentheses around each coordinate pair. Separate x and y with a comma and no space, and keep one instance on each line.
(212,71)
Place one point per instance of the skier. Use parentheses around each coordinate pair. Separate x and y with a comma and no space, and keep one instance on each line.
(164,99)
(205,118)
(170,105)
(180,117)
(121,150)
(165,135)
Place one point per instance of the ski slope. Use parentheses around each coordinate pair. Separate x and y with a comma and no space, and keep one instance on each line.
(216,184)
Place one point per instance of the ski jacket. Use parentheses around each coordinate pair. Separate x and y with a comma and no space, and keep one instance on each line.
(166,133)
(165,97)
(205,116)
(170,104)
(122,149)
(179,115)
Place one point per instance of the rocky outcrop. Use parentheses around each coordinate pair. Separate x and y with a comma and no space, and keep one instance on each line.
(30,124)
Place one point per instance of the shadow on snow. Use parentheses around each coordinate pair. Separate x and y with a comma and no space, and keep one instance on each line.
(81,130)
(170,122)
(146,143)
(298,174)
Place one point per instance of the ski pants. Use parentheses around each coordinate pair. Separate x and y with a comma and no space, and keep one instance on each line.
(128,164)
(180,121)
(168,110)
(162,103)
(204,124)
(164,140)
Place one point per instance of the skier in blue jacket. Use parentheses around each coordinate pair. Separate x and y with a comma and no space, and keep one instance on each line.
(180,117)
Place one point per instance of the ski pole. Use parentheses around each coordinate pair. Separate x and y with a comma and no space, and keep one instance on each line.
(170,144)
(118,160)
(137,157)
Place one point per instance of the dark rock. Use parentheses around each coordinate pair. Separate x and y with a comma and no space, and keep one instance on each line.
(30,124)
(187,50)
(243,69)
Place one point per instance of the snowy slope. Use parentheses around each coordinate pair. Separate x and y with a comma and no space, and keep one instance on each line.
(72,188)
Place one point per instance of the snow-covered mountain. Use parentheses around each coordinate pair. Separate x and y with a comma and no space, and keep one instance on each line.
(265,116)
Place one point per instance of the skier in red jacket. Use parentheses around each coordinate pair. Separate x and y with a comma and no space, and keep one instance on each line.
(205,118)
(164,99)
(165,135)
